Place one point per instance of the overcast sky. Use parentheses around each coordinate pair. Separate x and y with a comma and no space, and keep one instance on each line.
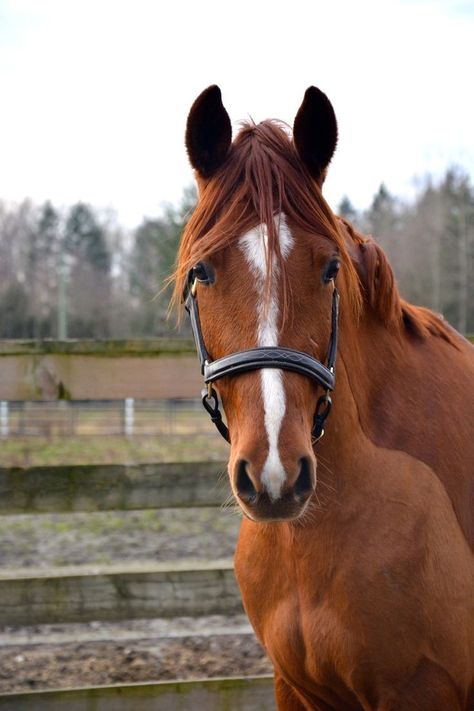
(95,93)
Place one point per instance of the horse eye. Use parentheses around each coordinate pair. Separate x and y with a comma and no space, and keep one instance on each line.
(331,270)
(204,273)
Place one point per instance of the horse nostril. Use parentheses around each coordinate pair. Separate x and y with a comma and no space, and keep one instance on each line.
(244,485)
(304,485)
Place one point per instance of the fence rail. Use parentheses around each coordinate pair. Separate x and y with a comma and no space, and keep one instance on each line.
(129,417)
(251,694)
(88,370)
(91,370)
(111,592)
(110,487)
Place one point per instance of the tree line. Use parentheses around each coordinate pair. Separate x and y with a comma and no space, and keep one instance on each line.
(75,272)
(429,242)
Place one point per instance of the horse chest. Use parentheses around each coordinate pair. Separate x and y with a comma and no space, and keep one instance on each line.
(291,606)
(300,630)
(339,625)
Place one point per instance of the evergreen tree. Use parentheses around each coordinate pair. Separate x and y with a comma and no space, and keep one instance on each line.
(84,238)
(152,261)
(88,257)
(347,210)
(382,217)
(41,270)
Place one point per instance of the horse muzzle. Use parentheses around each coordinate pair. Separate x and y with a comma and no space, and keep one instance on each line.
(273,496)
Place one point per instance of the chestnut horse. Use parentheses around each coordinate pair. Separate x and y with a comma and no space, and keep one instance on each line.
(358,581)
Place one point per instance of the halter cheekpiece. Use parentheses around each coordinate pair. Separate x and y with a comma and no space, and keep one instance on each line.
(257,358)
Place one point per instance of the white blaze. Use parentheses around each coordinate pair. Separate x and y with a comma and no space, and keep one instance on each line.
(254,246)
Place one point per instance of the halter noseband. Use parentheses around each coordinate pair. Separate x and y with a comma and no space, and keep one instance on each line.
(257,358)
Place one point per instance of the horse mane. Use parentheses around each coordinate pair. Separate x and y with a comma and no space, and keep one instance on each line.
(382,295)
(261,178)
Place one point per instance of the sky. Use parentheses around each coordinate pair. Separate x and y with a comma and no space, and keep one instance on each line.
(95,93)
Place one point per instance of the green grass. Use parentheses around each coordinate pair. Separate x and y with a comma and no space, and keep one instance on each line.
(38,451)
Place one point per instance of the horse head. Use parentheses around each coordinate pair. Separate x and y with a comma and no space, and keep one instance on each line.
(258,263)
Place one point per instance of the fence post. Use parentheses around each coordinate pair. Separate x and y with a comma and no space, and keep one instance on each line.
(129,416)
(4,424)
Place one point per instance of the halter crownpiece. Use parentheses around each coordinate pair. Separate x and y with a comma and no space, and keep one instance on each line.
(257,358)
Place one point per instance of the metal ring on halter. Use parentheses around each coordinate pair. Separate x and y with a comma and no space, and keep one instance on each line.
(211,405)
(323,408)
(210,401)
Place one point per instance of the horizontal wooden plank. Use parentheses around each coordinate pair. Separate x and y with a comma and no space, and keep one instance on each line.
(109,487)
(85,594)
(251,694)
(104,347)
(96,370)
(76,376)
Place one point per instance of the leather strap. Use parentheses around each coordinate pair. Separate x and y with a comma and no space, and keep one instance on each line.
(190,304)
(282,358)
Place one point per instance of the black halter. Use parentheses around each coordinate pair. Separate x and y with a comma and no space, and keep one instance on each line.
(257,358)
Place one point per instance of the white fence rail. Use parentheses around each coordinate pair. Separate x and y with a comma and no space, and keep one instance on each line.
(129,417)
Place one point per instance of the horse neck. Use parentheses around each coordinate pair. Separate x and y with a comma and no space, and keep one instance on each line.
(395,379)
(399,392)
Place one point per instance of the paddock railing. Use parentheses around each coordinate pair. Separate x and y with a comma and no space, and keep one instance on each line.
(251,694)
(159,368)
(83,593)
(154,369)
(127,418)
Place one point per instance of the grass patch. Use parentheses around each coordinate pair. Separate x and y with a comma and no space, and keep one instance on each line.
(39,451)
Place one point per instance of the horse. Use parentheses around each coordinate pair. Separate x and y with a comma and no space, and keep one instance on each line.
(354,557)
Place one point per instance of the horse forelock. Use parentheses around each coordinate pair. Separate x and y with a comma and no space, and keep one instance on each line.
(261,178)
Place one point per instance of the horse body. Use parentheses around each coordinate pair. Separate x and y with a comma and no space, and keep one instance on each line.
(371,596)
(358,581)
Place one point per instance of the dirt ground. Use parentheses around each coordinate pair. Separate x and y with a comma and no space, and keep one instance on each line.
(94,663)
(117,536)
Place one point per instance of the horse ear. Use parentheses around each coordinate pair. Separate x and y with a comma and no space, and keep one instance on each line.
(208,132)
(315,132)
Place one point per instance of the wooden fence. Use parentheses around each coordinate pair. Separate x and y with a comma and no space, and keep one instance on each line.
(98,370)
(235,694)
(128,418)
(105,370)
(115,592)
(108,487)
